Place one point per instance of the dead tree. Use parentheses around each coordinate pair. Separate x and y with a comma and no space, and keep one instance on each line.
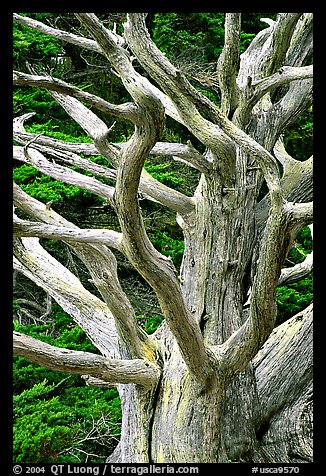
(217,381)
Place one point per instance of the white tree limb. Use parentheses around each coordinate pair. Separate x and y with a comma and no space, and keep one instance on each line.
(136,371)
(187,100)
(299,94)
(296,272)
(258,88)
(182,152)
(93,46)
(301,214)
(41,139)
(59,34)
(282,155)
(137,34)
(301,46)
(122,111)
(103,269)
(63,174)
(228,62)
(31,228)
(152,188)
(102,265)
(88,311)
(94,127)
(284,376)
(153,266)
(264,61)
(256,330)
(284,75)
(280,34)
(296,184)
(279,375)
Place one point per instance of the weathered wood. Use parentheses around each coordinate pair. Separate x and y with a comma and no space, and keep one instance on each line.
(216,382)
(113,371)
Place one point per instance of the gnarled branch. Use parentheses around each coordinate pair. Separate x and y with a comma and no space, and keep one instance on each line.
(102,266)
(279,377)
(88,311)
(53,232)
(33,157)
(122,111)
(153,266)
(152,188)
(296,272)
(187,100)
(228,62)
(136,371)
(59,34)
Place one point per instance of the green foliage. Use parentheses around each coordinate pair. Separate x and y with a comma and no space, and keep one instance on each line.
(33,45)
(47,425)
(62,332)
(294,297)
(302,246)
(40,429)
(50,118)
(304,239)
(54,412)
(298,139)
(151,323)
(167,177)
(31,398)
(27,99)
(26,373)
(168,246)
(50,129)
(45,188)
(245,40)
(198,34)
(25,174)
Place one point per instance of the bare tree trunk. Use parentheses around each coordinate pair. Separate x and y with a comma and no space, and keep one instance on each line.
(217,382)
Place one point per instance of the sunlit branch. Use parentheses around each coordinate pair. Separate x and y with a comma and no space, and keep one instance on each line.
(115,371)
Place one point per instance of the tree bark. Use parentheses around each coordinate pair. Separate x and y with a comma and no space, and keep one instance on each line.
(217,381)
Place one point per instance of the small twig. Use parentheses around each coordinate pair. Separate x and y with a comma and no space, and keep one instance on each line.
(111,127)
(26,154)
(48,307)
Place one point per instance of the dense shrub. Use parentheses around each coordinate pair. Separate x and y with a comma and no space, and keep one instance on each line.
(294,297)
(56,416)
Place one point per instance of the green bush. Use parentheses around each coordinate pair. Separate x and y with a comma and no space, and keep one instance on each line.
(149,323)
(168,246)
(45,188)
(294,297)
(298,138)
(200,34)
(160,173)
(49,427)
(32,45)
(54,411)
